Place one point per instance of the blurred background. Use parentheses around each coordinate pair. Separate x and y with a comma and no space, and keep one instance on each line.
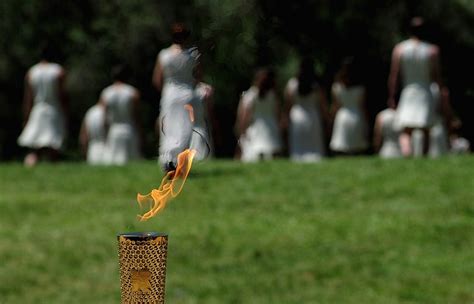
(235,38)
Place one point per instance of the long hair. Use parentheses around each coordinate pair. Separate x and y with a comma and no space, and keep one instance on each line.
(179,33)
(264,80)
(349,73)
(306,76)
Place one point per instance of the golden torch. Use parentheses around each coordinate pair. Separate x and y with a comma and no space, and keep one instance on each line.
(142,259)
(142,255)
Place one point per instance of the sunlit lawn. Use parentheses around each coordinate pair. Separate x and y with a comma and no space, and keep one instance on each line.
(358,230)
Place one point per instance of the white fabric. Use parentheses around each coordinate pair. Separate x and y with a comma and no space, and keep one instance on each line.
(178,91)
(200,139)
(306,134)
(350,128)
(390,134)
(415,108)
(94,123)
(45,126)
(122,143)
(439,141)
(262,137)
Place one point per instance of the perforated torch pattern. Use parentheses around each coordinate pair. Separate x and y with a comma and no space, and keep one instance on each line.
(143,269)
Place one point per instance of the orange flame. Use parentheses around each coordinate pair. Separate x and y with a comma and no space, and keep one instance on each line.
(171,186)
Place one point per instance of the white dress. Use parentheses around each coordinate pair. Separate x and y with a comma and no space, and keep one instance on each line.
(349,133)
(262,138)
(390,134)
(45,127)
(178,90)
(201,139)
(415,108)
(306,133)
(94,123)
(122,141)
(439,141)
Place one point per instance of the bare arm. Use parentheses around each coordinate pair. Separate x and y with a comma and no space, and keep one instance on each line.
(377,133)
(157,79)
(393,78)
(243,118)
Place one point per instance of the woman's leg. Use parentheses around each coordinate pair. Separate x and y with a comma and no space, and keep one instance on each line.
(405,142)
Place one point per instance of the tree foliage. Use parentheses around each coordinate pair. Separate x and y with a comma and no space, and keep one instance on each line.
(234,36)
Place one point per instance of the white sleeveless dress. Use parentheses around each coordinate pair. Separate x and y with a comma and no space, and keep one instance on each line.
(390,134)
(122,142)
(45,127)
(306,133)
(94,123)
(262,137)
(349,133)
(415,108)
(201,139)
(178,90)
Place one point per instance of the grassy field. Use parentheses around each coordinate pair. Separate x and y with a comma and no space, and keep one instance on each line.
(358,230)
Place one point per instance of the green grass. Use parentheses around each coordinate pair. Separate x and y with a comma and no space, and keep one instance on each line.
(347,230)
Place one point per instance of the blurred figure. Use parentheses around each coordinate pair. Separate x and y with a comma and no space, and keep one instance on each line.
(92,135)
(173,77)
(349,135)
(45,108)
(201,139)
(306,109)
(458,144)
(121,103)
(438,134)
(386,135)
(416,62)
(257,119)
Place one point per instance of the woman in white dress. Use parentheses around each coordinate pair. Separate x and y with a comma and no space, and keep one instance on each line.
(257,119)
(386,135)
(417,64)
(307,113)
(173,77)
(349,135)
(92,135)
(121,103)
(44,110)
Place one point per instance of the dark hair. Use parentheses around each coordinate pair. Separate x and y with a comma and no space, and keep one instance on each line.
(120,72)
(417,27)
(179,33)
(47,51)
(264,80)
(349,73)
(306,76)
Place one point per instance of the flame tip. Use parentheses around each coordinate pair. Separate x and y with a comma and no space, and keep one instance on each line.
(173,180)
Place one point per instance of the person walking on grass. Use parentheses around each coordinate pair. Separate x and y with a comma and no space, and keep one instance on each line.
(44,109)
(415,65)
(121,104)
(173,77)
